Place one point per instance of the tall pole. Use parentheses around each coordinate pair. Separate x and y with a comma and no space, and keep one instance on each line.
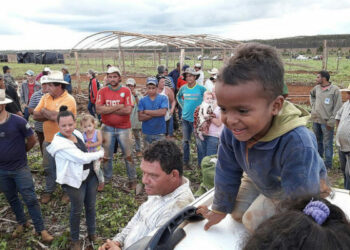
(77,71)
(325,55)
(121,52)
(182,58)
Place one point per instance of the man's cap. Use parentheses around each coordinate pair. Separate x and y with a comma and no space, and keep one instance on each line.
(29,72)
(47,69)
(113,69)
(191,71)
(65,68)
(54,76)
(131,81)
(3,99)
(185,67)
(152,80)
(198,65)
(213,71)
(346,90)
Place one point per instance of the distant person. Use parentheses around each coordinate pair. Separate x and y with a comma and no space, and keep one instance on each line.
(208,126)
(75,173)
(94,86)
(343,137)
(8,78)
(67,78)
(310,223)
(198,68)
(175,73)
(34,101)
(28,88)
(210,83)
(152,109)
(325,100)
(16,139)
(136,125)
(167,189)
(14,107)
(45,72)
(105,80)
(46,111)
(169,116)
(114,104)
(189,97)
(266,152)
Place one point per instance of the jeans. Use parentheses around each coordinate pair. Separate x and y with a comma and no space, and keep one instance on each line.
(26,113)
(92,110)
(170,126)
(21,181)
(324,142)
(49,165)
(187,129)
(148,139)
(85,195)
(344,159)
(137,137)
(110,135)
(207,147)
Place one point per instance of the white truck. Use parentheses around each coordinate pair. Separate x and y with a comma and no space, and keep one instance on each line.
(186,229)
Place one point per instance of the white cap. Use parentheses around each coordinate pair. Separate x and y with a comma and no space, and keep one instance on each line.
(113,69)
(198,65)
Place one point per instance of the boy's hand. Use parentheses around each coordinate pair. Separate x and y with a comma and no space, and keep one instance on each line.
(212,217)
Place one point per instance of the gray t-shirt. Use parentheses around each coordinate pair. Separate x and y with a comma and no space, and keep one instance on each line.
(342,137)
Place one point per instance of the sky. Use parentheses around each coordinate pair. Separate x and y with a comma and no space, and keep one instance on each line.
(60,24)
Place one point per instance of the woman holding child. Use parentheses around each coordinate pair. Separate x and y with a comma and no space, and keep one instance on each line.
(75,173)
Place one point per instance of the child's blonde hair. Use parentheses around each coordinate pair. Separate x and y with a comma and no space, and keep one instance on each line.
(87,118)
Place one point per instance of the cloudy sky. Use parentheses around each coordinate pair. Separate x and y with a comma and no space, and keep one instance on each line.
(60,24)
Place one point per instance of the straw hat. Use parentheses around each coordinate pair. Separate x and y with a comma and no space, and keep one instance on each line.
(3,99)
(347,89)
(53,76)
(213,71)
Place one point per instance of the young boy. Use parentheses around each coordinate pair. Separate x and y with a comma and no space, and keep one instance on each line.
(152,110)
(266,153)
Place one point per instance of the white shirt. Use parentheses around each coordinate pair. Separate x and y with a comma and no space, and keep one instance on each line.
(200,79)
(152,214)
(209,85)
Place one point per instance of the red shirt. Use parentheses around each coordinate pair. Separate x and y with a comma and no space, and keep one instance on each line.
(180,82)
(109,97)
(31,90)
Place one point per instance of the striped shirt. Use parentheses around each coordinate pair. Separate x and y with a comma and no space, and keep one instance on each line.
(34,101)
(152,214)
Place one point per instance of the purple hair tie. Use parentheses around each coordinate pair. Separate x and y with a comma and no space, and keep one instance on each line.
(317,210)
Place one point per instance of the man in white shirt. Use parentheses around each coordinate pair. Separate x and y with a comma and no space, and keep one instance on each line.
(169,192)
(198,68)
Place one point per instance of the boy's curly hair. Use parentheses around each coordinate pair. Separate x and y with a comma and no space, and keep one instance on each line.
(255,62)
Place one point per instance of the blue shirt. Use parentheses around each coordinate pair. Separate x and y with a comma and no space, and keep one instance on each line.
(68,79)
(12,143)
(193,97)
(286,167)
(155,125)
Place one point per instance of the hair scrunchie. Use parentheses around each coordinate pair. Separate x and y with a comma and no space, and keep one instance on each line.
(317,210)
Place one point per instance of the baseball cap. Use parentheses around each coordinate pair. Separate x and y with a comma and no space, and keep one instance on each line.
(152,80)
(29,72)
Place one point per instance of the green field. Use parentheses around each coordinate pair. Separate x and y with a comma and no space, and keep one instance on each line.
(296,70)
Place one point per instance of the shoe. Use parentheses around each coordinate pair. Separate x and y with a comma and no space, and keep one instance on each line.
(75,245)
(65,199)
(46,237)
(139,154)
(19,229)
(132,184)
(45,198)
(92,238)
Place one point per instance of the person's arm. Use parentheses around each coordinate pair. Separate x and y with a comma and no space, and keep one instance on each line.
(313,97)
(49,114)
(22,97)
(172,100)
(124,110)
(339,114)
(104,110)
(143,117)
(30,142)
(78,156)
(155,113)
(179,96)
(37,111)
(337,105)
(217,119)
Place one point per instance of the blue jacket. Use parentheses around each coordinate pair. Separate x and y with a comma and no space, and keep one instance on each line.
(283,164)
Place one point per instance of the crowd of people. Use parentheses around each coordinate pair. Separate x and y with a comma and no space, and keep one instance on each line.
(266,155)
